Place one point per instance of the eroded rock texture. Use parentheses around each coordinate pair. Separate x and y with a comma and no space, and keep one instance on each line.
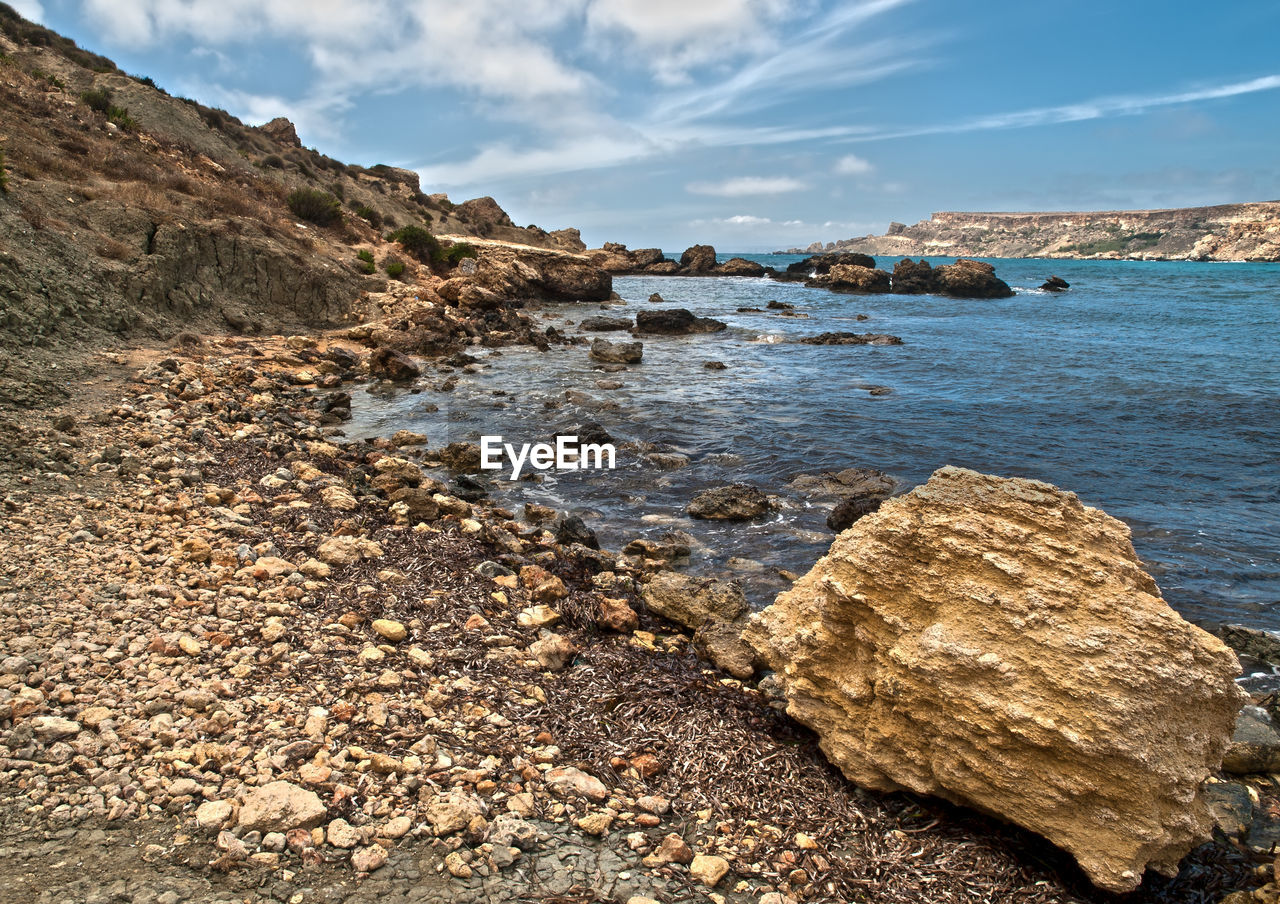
(996,643)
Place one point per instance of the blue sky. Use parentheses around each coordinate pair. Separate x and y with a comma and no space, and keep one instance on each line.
(750,124)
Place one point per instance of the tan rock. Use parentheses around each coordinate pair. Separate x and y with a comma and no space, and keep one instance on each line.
(553,652)
(280,806)
(690,601)
(997,644)
(673,849)
(391,630)
(567,781)
(368,859)
(708,869)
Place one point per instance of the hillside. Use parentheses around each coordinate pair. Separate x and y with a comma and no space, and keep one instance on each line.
(1229,232)
(126,211)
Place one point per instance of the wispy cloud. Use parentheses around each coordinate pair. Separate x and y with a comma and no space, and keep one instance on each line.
(29,9)
(1100,108)
(747,186)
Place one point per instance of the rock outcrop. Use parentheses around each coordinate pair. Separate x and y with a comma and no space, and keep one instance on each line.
(996,643)
(698,259)
(970,279)
(852,278)
(505,272)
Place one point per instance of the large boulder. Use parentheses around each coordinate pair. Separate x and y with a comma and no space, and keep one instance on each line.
(279,807)
(692,601)
(970,279)
(996,643)
(821,264)
(675,322)
(389,364)
(698,259)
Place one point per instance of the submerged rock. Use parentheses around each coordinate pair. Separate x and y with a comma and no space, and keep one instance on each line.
(1055,284)
(843,338)
(675,322)
(996,643)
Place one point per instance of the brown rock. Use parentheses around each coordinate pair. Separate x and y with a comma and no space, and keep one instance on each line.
(997,644)
(553,652)
(617,615)
(673,849)
(567,781)
(698,259)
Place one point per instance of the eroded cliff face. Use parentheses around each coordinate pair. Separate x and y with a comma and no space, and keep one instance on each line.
(1229,232)
(996,643)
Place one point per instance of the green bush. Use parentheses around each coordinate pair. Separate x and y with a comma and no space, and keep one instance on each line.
(98,100)
(394,267)
(120,116)
(274,161)
(458,251)
(337,189)
(369,215)
(366,267)
(418,243)
(315,206)
(365,255)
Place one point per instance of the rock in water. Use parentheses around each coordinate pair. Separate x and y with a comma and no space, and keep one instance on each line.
(995,643)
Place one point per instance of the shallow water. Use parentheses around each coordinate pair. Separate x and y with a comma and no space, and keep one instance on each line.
(1150,389)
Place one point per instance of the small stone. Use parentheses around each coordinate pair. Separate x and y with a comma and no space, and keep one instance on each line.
(391,630)
(566,781)
(397,827)
(456,866)
(540,616)
(212,815)
(196,550)
(452,812)
(280,806)
(708,869)
(596,823)
(366,860)
(341,834)
(53,728)
(553,652)
(189,645)
(673,849)
(805,843)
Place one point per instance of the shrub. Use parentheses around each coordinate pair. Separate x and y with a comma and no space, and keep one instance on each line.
(417,243)
(394,267)
(316,206)
(458,251)
(274,161)
(337,190)
(365,255)
(366,267)
(98,100)
(4,175)
(120,116)
(369,215)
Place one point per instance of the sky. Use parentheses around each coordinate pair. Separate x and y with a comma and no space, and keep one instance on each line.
(748,124)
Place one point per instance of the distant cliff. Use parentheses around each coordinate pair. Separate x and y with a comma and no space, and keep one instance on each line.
(1228,232)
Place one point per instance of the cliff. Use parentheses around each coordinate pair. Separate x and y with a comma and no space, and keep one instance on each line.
(1228,232)
(127,211)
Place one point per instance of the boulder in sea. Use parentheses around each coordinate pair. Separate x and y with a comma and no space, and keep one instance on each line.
(606,324)
(675,322)
(997,644)
(739,502)
(853,279)
(607,352)
(843,338)
(970,279)
(1055,284)
(698,259)
(740,266)
(389,364)
(913,278)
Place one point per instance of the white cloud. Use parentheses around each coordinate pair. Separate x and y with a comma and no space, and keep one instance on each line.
(674,36)
(746,186)
(744,219)
(29,9)
(853,165)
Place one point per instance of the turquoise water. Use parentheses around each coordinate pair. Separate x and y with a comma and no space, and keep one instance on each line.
(1150,389)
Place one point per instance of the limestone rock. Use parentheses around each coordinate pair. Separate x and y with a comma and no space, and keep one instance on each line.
(676,322)
(567,781)
(616,352)
(691,601)
(970,279)
(280,806)
(996,643)
(698,259)
(708,869)
(739,502)
(452,812)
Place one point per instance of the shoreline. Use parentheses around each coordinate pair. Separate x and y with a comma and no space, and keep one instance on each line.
(181,626)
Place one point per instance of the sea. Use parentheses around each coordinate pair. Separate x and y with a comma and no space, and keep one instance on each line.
(1150,389)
